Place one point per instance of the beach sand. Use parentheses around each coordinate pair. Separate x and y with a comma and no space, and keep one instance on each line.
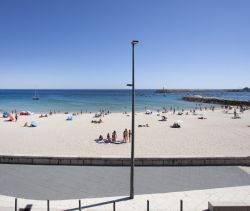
(218,135)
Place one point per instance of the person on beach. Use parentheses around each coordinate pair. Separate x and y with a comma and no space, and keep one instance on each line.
(100,138)
(108,137)
(126,135)
(129,135)
(235,113)
(16,117)
(114,136)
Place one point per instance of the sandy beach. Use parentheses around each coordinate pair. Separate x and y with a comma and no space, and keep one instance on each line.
(218,135)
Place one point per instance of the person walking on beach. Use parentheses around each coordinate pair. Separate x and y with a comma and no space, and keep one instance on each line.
(16,117)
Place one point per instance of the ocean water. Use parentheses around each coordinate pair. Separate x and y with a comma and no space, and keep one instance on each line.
(94,100)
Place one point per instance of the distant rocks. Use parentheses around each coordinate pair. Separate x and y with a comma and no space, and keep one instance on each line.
(213,100)
(246,89)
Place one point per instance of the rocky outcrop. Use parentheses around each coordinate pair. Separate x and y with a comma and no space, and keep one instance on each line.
(213,100)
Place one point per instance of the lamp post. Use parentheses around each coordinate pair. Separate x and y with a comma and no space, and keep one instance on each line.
(132,164)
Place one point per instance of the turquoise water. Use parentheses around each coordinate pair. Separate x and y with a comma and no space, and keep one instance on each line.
(94,100)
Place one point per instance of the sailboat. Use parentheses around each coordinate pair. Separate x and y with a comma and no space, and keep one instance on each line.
(35,97)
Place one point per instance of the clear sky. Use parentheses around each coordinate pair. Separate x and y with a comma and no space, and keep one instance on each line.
(86,43)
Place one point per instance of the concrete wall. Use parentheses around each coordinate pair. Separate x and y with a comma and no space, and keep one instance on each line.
(97,161)
(228,206)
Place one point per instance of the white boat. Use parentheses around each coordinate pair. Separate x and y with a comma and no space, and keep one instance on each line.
(35,97)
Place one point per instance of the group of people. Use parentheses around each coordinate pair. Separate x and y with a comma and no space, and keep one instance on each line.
(127,134)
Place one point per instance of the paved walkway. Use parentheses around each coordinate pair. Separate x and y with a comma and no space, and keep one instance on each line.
(196,200)
(99,186)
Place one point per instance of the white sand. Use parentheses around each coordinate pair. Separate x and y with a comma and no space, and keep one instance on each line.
(218,135)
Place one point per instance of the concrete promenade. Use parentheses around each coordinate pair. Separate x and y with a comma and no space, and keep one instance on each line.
(99,186)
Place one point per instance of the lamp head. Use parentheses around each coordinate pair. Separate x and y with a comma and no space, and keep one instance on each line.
(134,42)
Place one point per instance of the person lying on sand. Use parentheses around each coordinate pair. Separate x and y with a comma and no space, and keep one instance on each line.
(163,118)
(32,124)
(43,115)
(146,125)
(202,117)
(97,121)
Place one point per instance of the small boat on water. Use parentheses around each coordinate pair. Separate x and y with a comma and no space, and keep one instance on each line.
(35,97)
(162,91)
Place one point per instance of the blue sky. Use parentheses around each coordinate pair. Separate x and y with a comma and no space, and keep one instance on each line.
(86,43)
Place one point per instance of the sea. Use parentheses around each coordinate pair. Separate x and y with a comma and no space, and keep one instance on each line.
(115,100)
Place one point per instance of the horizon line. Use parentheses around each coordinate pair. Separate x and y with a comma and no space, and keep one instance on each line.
(123,88)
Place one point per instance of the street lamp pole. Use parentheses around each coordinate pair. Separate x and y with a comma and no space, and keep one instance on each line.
(134,42)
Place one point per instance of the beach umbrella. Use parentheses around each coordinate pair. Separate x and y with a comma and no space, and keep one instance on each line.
(33,124)
(5,114)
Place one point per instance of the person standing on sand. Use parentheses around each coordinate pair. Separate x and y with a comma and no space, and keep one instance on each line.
(114,136)
(16,117)
(129,135)
(125,135)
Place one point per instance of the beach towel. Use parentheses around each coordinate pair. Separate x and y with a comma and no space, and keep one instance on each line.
(118,142)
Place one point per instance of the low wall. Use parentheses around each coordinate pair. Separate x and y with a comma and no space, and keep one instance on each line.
(97,161)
